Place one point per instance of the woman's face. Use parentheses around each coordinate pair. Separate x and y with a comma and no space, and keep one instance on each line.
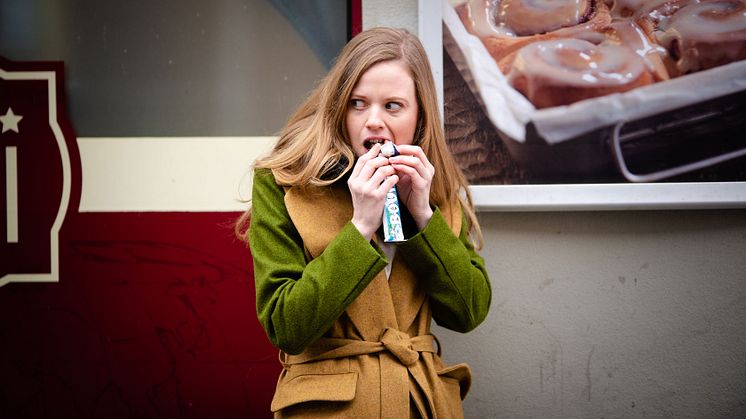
(383,106)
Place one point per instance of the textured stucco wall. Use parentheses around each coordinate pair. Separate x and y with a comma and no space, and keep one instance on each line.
(397,14)
(610,314)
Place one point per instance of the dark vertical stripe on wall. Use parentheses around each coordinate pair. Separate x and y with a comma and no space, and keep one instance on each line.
(355,18)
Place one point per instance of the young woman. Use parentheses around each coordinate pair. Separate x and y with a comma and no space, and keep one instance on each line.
(351,314)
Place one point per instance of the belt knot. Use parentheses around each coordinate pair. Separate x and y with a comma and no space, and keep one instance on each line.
(400,345)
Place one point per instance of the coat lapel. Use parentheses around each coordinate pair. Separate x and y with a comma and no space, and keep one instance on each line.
(373,311)
(407,292)
(319,214)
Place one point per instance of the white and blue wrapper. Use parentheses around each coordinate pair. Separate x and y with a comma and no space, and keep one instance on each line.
(392,225)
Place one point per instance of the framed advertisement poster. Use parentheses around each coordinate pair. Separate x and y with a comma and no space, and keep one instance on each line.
(670,144)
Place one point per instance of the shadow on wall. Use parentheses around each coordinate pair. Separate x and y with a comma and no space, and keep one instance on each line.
(317,21)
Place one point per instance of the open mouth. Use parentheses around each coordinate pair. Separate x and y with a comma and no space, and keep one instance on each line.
(368,143)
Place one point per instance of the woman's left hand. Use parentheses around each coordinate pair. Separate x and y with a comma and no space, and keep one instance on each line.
(415,178)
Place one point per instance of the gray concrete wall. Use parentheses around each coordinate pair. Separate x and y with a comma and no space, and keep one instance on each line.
(610,314)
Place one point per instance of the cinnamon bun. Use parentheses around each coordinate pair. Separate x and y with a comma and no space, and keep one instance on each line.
(628,33)
(504,26)
(705,34)
(532,17)
(564,71)
(645,10)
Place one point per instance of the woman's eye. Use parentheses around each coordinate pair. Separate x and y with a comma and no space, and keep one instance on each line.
(356,103)
(393,106)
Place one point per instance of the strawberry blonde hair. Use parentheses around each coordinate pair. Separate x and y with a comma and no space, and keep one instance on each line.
(314,148)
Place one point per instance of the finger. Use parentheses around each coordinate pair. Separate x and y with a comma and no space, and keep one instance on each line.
(411,174)
(408,164)
(412,150)
(361,162)
(388,183)
(380,176)
(370,167)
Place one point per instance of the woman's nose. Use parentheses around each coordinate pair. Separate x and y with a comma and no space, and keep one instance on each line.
(375,119)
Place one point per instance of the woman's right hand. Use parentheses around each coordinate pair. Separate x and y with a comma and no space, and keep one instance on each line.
(371,179)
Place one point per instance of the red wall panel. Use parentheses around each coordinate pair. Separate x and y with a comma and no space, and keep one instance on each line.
(153,316)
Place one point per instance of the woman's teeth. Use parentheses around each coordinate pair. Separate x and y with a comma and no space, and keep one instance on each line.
(369,143)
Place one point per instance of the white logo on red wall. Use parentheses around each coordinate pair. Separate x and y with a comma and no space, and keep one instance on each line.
(36,169)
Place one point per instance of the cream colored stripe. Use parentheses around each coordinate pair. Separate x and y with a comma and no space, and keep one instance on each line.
(11,194)
(168,173)
(196,174)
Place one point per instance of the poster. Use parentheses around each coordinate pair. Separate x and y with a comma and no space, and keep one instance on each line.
(653,147)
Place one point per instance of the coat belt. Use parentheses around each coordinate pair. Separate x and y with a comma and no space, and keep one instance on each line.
(405,348)
(395,369)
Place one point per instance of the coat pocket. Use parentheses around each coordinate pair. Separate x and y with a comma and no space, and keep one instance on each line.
(459,374)
(338,387)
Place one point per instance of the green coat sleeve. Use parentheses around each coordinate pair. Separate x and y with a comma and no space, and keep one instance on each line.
(453,273)
(298,301)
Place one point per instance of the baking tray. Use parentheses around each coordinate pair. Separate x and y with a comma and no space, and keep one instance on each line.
(649,134)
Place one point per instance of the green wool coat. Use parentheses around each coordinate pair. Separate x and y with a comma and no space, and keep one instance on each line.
(353,342)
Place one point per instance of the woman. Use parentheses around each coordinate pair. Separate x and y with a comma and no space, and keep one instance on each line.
(350,313)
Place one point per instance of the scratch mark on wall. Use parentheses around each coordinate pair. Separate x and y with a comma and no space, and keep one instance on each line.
(541,376)
(546,283)
(589,385)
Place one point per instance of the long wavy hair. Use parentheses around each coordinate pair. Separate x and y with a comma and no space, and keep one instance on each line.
(314,148)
